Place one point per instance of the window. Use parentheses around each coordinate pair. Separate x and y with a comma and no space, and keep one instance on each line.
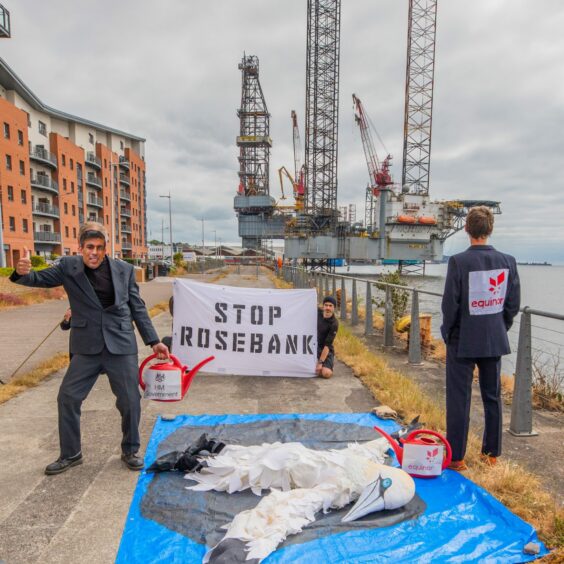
(63,160)
(105,163)
(74,232)
(106,182)
(28,120)
(24,197)
(91,138)
(121,145)
(64,184)
(20,137)
(66,207)
(66,230)
(107,217)
(12,223)
(106,200)
(22,168)
(42,128)
(72,187)
(24,225)
(10,193)
(8,162)
(71,163)
(73,210)
(6,130)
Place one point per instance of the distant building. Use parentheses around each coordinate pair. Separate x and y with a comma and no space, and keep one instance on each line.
(58,171)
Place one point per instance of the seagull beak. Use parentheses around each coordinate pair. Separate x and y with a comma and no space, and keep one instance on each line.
(371,499)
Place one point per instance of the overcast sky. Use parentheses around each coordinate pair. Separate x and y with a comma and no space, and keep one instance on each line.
(167,71)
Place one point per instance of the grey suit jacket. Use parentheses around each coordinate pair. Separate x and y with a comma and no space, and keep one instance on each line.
(92,327)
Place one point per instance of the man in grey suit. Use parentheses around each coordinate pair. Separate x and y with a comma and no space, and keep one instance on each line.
(104,299)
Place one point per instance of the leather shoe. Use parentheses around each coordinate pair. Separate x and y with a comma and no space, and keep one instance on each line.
(132,461)
(63,464)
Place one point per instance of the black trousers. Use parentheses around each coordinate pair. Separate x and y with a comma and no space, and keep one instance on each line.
(81,376)
(459,372)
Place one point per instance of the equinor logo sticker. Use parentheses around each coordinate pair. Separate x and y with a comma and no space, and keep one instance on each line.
(487,291)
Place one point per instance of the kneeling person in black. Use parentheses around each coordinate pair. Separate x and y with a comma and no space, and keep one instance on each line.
(327,327)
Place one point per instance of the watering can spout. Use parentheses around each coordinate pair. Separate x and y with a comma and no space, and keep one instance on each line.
(394,444)
(197,368)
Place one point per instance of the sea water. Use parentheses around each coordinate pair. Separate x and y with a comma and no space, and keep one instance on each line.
(542,288)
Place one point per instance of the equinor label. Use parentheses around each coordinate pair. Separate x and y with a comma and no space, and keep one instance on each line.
(487,291)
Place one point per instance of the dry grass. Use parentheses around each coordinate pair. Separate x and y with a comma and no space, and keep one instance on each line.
(34,377)
(158,308)
(516,488)
(16,295)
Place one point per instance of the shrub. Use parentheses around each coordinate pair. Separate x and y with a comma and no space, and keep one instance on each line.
(37,260)
(6,271)
(178,259)
(54,256)
(399,297)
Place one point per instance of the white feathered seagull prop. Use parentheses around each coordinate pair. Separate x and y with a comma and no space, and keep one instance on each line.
(302,482)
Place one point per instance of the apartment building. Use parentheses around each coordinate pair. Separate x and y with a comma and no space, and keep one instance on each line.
(59,170)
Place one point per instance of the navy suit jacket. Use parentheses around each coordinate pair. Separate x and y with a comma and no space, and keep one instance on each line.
(92,326)
(481,297)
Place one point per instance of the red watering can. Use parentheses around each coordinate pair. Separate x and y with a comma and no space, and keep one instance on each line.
(419,456)
(168,380)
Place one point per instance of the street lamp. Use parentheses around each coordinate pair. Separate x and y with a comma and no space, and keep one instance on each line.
(170,226)
(215,242)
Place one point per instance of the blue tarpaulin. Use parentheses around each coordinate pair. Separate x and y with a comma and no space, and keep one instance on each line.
(461,521)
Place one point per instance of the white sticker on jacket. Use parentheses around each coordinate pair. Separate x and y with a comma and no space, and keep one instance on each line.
(487,291)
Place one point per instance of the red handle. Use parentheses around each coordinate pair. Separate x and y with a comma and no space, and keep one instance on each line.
(397,448)
(442,439)
(172,360)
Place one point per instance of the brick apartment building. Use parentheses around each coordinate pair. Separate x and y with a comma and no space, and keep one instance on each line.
(59,170)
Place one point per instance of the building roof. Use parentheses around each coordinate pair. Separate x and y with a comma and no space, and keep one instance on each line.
(10,80)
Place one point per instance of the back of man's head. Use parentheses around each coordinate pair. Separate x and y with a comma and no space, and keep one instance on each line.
(479,222)
(91,230)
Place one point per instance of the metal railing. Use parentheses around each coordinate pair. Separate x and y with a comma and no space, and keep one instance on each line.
(46,209)
(43,181)
(92,159)
(123,162)
(94,180)
(125,212)
(43,155)
(46,237)
(94,201)
(124,178)
(521,424)
(124,195)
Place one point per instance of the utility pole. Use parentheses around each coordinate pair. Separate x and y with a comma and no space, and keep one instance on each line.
(170,226)
(203,239)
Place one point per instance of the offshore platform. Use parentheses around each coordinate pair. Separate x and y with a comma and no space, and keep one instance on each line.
(401,222)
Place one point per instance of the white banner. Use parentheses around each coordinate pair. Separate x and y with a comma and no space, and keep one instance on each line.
(250,331)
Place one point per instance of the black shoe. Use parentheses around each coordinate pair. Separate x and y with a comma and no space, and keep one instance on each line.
(132,461)
(63,464)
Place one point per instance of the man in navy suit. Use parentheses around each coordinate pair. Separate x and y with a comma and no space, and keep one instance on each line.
(481,298)
(104,299)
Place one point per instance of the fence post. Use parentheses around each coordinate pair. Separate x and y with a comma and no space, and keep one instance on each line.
(334,286)
(354,304)
(326,276)
(388,320)
(521,424)
(343,300)
(415,331)
(368,324)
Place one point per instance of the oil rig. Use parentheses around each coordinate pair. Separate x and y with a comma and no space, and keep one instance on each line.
(401,222)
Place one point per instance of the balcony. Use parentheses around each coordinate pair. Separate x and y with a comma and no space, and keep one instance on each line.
(124,163)
(96,218)
(4,22)
(44,182)
(94,201)
(93,180)
(43,156)
(46,237)
(46,209)
(125,228)
(124,212)
(124,179)
(124,196)
(125,245)
(93,161)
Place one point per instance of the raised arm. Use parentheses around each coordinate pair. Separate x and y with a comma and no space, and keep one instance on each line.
(48,278)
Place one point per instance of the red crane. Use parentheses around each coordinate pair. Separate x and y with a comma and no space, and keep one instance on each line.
(379,174)
(299,169)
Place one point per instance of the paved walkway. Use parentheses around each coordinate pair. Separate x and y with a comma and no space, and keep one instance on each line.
(79,516)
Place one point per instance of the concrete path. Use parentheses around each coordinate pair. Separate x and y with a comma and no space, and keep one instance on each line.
(79,516)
